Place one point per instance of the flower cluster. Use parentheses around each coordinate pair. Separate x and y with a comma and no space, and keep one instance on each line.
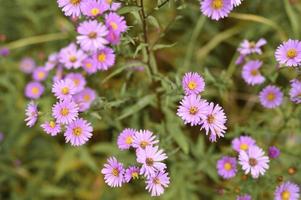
(148,156)
(196,111)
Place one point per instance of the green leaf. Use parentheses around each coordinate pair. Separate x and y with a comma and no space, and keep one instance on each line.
(128,9)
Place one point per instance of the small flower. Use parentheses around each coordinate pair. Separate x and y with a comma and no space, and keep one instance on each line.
(78,132)
(156,184)
(113,172)
(84,99)
(216,9)
(89,65)
(274,152)
(250,47)
(93,8)
(113,38)
(70,57)
(214,121)
(39,74)
(251,73)
(4,52)
(244,197)
(131,172)
(110,5)
(253,161)
(52,61)
(192,108)
(126,138)
(143,138)
(271,97)
(115,23)
(226,167)
(289,53)
(27,65)
(31,114)
(295,91)
(240,60)
(65,111)
(193,83)
(52,128)
(104,59)
(78,80)
(287,191)
(243,143)
(34,90)
(63,89)
(71,7)
(236,2)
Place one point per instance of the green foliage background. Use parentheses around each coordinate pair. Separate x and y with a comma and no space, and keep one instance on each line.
(34,165)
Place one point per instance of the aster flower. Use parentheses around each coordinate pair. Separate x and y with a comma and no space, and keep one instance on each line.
(78,80)
(193,83)
(287,191)
(244,197)
(92,35)
(274,152)
(271,97)
(115,23)
(214,122)
(84,99)
(78,132)
(253,161)
(250,47)
(240,60)
(70,57)
(65,111)
(216,9)
(110,5)
(34,90)
(64,89)
(93,8)
(226,167)
(242,143)
(131,172)
(143,138)
(39,74)
(295,91)
(52,128)
(27,65)
(191,109)
(151,159)
(52,61)
(236,2)
(31,114)
(113,172)
(113,38)
(104,59)
(71,7)
(126,138)
(156,184)
(251,73)
(89,65)
(289,53)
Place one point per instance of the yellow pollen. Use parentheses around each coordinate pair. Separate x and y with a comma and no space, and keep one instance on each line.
(285,195)
(254,72)
(72,59)
(88,65)
(252,45)
(244,147)
(86,98)
(41,75)
(76,81)
(291,53)
(217,4)
(95,11)
(52,124)
(115,172)
(149,162)
(92,35)
(210,119)
(227,166)
(101,57)
(113,25)
(253,162)
(75,2)
(135,175)
(271,96)
(143,144)
(65,90)
(192,85)
(129,140)
(35,90)
(156,181)
(77,131)
(193,110)
(64,111)
(109,1)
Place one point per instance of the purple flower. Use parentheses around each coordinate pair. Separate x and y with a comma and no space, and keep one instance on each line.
(156,184)
(126,138)
(78,80)
(70,57)
(78,132)
(191,109)
(271,97)
(64,89)
(104,59)
(84,99)
(242,143)
(4,51)
(216,9)
(93,8)
(251,73)
(289,53)
(193,83)
(131,172)
(214,121)
(295,91)
(110,5)
(1,136)
(113,172)
(34,90)
(52,61)
(39,74)
(249,47)
(287,191)
(274,152)
(52,128)
(244,197)
(151,159)
(92,35)
(71,7)
(115,23)
(27,65)
(240,59)
(113,37)
(89,65)
(253,161)
(31,114)
(143,138)
(226,167)
(236,2)
(65,111)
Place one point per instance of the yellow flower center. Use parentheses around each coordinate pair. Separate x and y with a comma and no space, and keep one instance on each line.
(52,124)
(254,72)
(244,147)
(35,90)
(88,65)
(109,1)
(291,53)
(252,45)
(76,81)
(149,162)
(72,59)
(285,195)
(143,144)
(210,119)
(65,90)
(86,98)
(252,162)
(77,131)
(156,181)
(64,111)
(92,35)
(101,57)
(193,110)
(271,96)
(95,11)
(192,85)
(227,166)
(115,172)
(129,140)
(113,25)
(217,4)
(75,2)
(41,75)
(135,175)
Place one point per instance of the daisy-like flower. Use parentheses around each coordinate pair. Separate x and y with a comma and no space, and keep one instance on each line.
(78,79)
(254,161)
(244,197)
(34,90)
(93,8)
(236,2)
(131,172)
(251,74)
(214,122)
(271,97)
(71,7)
(157,183)
(249,47)
(39,74)
(193,83)
(27,65)
(64,89)
(151,159)
(191,109)
(92,35)
(226,167)
(52,128)
(104,59)
(143,138)
(126,138)
(110,5)
(216,9)
(84,99)
(113,38)
(78,132)
(115,23)
(243,143)
(295,91)
(289,53)
(65,111)
(274,152)
(287,191)
(70,57)
(113,172)
(89,65)
(52,61)
(31,114)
